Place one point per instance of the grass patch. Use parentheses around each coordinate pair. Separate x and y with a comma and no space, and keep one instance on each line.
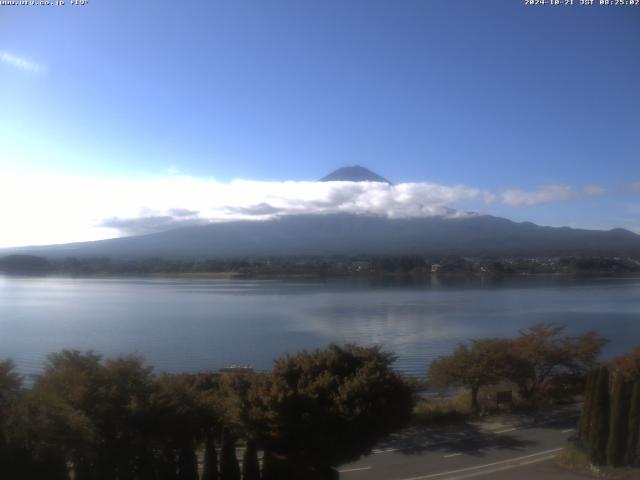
(430,411)
(575,459)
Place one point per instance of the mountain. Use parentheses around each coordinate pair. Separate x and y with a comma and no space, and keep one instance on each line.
(354,174)
(335,234)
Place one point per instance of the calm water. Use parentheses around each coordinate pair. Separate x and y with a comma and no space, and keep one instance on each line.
(191,324)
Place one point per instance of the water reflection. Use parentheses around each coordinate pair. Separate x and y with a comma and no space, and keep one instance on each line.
(182,324)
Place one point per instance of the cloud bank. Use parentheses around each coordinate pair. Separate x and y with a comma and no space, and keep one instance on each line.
(45,209)
(61,209)
(250,200)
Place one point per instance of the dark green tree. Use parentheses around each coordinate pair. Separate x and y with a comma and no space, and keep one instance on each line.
(18,457)
(187,463)
(250,465)
(274,468)
(183,414)
(10,385)
(65,403)
(268,467)
(628,366)
(585,417)
(166,464)
(619,421)
(326,407)
(632,456)
(599,429)
(229,468)
(210,470)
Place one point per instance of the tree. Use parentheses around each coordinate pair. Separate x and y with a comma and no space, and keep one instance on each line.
(542,352)
(187,464)
(184,414)
(273,468)
(65,401)
(326,407)
(250,465)
(10,389)
(14,460)
(482,363)
(632,456)
(268,469)
(239,397)
(229,469)
(98,414)
(10,384)
(617,444)
(629,364)
(599,429)
(210,470)
(585,417)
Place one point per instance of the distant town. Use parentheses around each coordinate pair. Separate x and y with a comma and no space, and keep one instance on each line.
(326,266)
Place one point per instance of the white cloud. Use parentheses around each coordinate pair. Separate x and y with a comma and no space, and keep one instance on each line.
(40,209)
(631,187)
(549,194)
(58,209)
(19,62)
(594,190)
(544,194)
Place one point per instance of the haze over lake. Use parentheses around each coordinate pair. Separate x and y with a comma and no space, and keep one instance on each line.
(194,324)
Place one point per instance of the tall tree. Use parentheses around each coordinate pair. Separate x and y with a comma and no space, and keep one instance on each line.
(632,456)
(618,423)
(10,384)
(187,463)
(268,467)
(229,468)
(628,366)
(585,417)
(67,401)
(482,363)
(275,468)
(599,430)
(210,470)
(15,460)
(250,465)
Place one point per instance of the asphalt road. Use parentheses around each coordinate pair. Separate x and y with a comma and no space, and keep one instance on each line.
(517,448)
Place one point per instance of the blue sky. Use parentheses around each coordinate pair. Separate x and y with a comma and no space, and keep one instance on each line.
(538,107)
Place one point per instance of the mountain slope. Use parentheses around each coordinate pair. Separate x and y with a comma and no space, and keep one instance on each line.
(355,234)
(354,174)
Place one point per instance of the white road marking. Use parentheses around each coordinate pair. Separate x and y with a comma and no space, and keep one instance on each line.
(506,430)
(568,430)
(452,455)
(502,468)
(430,444)
(354,469)
(388,450)
(477,467)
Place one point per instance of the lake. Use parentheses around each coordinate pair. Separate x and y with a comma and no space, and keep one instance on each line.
(194,324)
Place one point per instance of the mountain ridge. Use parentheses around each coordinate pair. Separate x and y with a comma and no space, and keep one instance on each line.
(352,234)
